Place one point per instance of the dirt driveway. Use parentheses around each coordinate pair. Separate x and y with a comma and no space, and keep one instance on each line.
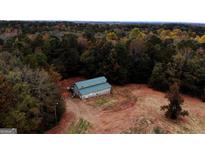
(132,108)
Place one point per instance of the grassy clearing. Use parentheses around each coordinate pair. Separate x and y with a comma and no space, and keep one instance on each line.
(101,101)
(79,127)
(105,102)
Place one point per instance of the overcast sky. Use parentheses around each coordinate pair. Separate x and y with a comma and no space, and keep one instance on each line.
(104,10)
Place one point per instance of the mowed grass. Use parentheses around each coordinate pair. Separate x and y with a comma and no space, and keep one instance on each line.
(79,127)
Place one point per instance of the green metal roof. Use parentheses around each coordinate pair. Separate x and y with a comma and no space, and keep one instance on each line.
(95,88)
(90,82)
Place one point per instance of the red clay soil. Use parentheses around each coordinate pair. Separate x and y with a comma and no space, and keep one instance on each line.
(133,108)
(119,107)
(63,125)
(67,83)
(68,117)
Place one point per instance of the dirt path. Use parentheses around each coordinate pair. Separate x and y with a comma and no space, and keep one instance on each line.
(133,109)
(63,125)
(68,117)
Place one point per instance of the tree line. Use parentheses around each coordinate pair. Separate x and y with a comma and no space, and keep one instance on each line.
(39,55)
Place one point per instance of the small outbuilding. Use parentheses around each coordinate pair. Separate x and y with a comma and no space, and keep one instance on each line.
(91,88)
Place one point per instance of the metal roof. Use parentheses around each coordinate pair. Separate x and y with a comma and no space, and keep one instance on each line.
(90,82)
(94,88)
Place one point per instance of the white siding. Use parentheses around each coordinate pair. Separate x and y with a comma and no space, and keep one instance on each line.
(102,92)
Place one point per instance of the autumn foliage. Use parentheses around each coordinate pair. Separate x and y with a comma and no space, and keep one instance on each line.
(35,56)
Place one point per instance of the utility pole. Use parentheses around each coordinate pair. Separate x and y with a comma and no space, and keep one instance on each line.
(55,112)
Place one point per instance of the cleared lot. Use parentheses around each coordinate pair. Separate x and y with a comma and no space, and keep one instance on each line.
(132,108)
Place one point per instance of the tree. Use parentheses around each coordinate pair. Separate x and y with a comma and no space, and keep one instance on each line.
(119,65)
(37,42)
(29,98)
(192,44)
(203,95)
(107,59)
(136,33)
(88,60)
(140,68)
(193,76)
(89,34)
(63,55)
(1,42)
(36,60)
(111,36)
(159,51)
(7,97)
(175,68)
(136,46)
(202,39)
(52,48)
(158,78)
(174,109)
(98,59)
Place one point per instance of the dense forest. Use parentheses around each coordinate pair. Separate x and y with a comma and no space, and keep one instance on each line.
(35,56)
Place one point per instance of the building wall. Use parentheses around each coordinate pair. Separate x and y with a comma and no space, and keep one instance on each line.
(76,91)
(102,92)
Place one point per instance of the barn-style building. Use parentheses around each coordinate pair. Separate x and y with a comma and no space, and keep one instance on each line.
(91,88)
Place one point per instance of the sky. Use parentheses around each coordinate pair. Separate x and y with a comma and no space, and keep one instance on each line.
(104,10)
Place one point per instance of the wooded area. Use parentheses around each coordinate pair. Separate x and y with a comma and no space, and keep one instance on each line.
(34,56)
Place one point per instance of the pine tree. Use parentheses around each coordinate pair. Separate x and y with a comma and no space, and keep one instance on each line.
(174,108)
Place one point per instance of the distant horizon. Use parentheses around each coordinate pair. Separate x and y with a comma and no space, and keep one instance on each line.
(107,21)
(108,11)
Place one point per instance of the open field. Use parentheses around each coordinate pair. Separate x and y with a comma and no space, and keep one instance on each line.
(133,108)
